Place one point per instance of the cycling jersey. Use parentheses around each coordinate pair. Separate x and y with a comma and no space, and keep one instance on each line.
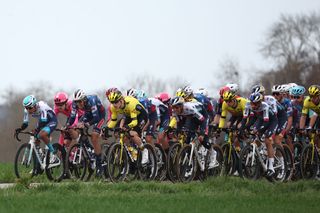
(67,111)
(272,102)
(236,112)
(162,112)
(47,120)
(133,109)
(152,115)
(309,105)
(206,103)
(94,112)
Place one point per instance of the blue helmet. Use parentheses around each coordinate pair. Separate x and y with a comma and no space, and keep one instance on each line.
(29,101)
(256,97)
(297,90)
(141,94)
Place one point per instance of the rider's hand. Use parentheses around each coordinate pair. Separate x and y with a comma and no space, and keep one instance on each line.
(80,125)
(125,128)
(200,138)
(105,132)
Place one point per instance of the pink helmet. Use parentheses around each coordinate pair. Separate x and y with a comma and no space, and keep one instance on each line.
(223,90)
(164,97)
(60,98)
(112,89)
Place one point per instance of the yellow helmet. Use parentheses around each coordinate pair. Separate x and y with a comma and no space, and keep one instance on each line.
(228,95)
(180,93)
(114,96)
(314,90)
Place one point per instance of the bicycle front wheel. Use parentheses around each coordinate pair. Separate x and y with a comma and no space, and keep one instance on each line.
(309,162)
(172,156)
(186,164)
(77,162)
(289,162)
(249,163)
(25,162)
(117,163)
(55,163)
(161,162)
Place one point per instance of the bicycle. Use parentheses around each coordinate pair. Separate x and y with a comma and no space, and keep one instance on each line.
(125,159)
(254,161)
(81,157)
(309,162)
(189,158)
(31,160)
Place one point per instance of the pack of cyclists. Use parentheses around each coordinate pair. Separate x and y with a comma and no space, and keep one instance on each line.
(288,110)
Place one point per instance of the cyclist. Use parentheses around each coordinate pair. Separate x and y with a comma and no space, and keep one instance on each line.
(112,89)
(47,120)
(265,123)
(134,120)
(192,116)
(233,88)
(94,115)
(235,106)
(311,102)
(218,109)
(269,99)
(284,113)
(64,105)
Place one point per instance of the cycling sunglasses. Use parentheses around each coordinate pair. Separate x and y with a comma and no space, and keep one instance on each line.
(29,107)
(296,96)
(276,93)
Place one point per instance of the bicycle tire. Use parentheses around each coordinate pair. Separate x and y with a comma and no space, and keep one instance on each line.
(117,165)
(161,162)
(279,172)
(182,167)
(216,171)
(297,151)
(309,166)
(147,171)
(56,173)
(77,166)
(250,167)
(172,154)
(21,169)
(289,162)
(229,162)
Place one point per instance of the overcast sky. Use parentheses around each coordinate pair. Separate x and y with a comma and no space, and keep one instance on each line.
(97,44)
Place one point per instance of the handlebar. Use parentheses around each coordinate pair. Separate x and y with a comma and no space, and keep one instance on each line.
(16,134)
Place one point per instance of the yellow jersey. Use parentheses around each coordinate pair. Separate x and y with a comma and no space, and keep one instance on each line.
(238,111)
(308,105)
(132,109)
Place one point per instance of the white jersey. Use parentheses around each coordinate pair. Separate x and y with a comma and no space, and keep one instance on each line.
(192,109)
(160,107)
(272,102)
(43,112)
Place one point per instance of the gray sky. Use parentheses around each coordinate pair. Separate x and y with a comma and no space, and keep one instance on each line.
(97,44)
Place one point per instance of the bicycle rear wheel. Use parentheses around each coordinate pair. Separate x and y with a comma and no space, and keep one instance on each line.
(117,163)
(77,162)
(172,155)
(217,170)
(55,163)
(25,162)
(309,162)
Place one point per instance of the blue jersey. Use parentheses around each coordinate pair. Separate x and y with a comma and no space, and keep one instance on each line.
(94,111)
(206,103)
(286,103)
(151,109)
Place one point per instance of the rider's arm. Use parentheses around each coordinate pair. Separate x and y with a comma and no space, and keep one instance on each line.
(223,115)
(73,115)
(114,115)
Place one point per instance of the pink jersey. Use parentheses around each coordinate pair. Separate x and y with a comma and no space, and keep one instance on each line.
(67,112)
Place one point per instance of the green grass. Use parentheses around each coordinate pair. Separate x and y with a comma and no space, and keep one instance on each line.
(214,195)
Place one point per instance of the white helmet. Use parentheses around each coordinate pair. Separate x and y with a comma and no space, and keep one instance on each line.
(187,90)
(203,91)
(177,101)
(131,92)
(233,87)
(79,95)
(277,88)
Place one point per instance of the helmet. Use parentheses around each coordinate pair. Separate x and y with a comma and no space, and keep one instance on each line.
(256,97)
(112,89)
(258,88)
(29,101)
(187,90)
(114,96)
(277,88)
(60,98)
(314,90)
(180,93)
(233,87)
(285,88)
(202,91)
(223,90)
(164,97)
(79,95)
(177,101)
(297,90)
(132,92)
(141,94)
(228,95)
